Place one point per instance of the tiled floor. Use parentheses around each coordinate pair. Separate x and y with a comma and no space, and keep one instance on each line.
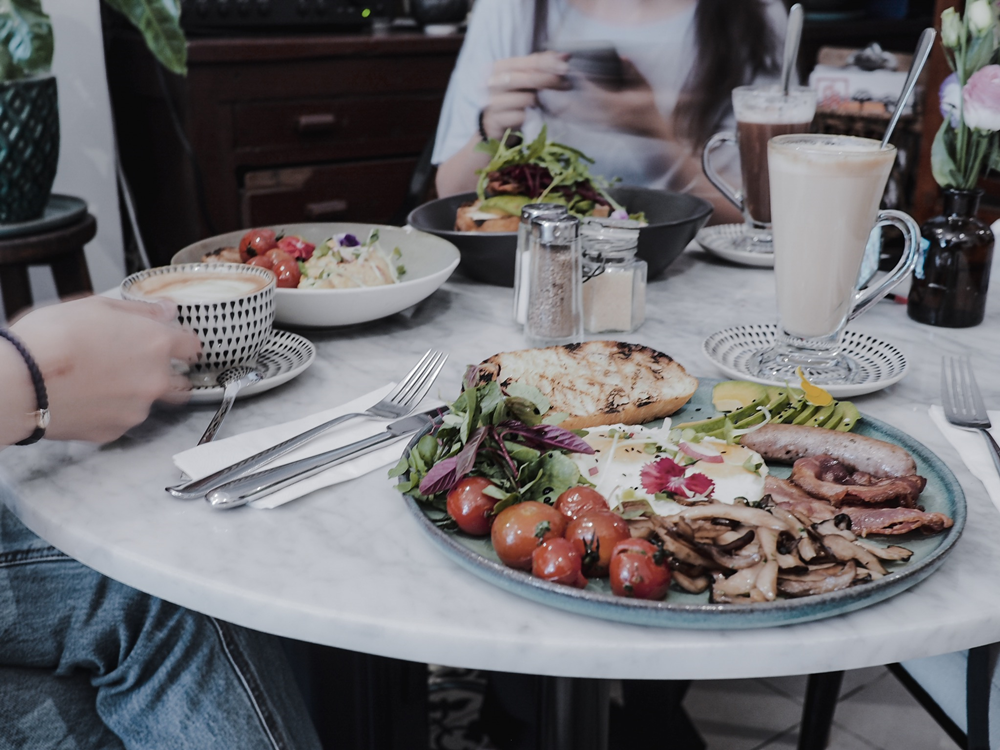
(875,713)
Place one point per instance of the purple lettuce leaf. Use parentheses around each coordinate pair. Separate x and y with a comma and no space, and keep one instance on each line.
(441,477)
(544,436)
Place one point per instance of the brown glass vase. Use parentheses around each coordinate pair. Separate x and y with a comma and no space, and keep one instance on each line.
(950,282)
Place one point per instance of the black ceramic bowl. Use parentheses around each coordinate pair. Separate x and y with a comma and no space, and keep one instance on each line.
(674,219)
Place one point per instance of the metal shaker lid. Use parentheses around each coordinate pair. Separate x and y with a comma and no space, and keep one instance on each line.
(561,230)
(549,210)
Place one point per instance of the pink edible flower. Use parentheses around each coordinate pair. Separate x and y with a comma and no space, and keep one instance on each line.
(666,475)
(981,99)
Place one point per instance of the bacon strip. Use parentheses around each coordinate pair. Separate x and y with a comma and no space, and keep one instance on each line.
(795,499)
(865,521)
(827,478)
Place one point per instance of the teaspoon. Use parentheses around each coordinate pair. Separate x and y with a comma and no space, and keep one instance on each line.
(233,381)
(919,58)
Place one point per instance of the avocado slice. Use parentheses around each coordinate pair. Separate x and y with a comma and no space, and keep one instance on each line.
(710,426)
(819,418)
(703,425)
(507,204)
(789,413)
(732,395)
(750,421)
(806,414)
(849,418)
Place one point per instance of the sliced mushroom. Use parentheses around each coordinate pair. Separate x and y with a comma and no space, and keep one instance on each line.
(830,527)
(792,585)
(693,585)
(845,550)
(683,551)
(735,540)
(741,513)
(893,552)
(767,580)
(642,528)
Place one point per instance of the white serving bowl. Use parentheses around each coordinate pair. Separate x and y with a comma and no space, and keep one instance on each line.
(428,260)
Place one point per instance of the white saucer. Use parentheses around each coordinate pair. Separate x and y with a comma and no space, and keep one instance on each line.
(880,363)
(725,241)
(285,356)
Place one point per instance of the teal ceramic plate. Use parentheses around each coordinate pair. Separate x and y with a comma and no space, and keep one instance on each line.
(681,610)
(60,211)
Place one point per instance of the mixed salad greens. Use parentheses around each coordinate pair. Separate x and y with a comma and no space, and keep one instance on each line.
(539,171)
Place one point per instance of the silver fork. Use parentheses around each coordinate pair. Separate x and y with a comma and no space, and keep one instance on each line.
(963,404)
(403,399)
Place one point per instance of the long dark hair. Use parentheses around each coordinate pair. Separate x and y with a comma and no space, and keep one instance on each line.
(734,44)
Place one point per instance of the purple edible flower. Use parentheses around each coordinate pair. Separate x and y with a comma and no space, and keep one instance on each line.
(347,240)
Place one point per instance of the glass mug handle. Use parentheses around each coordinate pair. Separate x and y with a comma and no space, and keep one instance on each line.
(719,139)
(863,300)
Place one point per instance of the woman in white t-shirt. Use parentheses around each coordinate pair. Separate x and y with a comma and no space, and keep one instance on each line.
(680,61)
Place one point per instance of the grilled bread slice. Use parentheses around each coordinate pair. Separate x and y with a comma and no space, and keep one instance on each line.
(465,223)
(597,382)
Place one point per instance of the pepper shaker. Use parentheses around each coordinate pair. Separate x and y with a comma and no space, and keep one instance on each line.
(555,308)
(521,275)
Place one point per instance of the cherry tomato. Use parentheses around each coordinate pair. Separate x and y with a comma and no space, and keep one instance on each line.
(578,500)
(556,560)
(256,242)
(518,529)
(289,273)
(639,570)
(262,261)
(296,247)
(471,509)
(594,535)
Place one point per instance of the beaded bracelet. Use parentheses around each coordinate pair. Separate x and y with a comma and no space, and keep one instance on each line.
(482,128)
(41,415)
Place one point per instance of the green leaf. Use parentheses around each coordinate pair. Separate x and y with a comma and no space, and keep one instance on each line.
(550,476)
(529,393)
(942,162)
(26,33)
(159,23)
(523,410)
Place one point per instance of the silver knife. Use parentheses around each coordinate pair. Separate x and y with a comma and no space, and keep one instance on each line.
(244,490)
(195,488)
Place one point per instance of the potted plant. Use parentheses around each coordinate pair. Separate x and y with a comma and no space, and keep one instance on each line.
(29,104)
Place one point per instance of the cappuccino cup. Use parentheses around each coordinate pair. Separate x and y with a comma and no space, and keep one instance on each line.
(229,306)
(761,114)
(825,194)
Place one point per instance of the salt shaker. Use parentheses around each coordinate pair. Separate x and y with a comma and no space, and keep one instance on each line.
(528,212)
(614,286)
(555,308)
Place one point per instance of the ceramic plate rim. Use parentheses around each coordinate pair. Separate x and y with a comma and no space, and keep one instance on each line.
(721,616)
(741,257)
(848,390)
(205,394)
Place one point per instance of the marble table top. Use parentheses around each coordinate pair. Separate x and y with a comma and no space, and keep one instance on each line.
(348,566)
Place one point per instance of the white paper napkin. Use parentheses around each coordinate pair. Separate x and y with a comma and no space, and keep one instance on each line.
(972,447)
(207,459)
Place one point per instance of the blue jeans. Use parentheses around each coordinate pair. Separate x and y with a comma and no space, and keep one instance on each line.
(86,662)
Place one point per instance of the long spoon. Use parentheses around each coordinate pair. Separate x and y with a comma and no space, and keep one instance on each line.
(232,380)
(793,36)
(919,58)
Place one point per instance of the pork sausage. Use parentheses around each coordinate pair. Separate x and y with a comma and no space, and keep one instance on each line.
(786,443)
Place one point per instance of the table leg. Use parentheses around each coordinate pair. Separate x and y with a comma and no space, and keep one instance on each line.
(574,714)
(16,289)
(822,693)
(71,274)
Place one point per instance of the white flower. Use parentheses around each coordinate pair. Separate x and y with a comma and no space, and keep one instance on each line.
(981,15)
(951,28)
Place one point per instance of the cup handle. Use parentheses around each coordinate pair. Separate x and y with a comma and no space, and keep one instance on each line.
(719,139)
(911,234)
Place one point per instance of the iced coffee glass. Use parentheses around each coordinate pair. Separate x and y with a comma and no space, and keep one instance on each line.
(761,114)
(825,194)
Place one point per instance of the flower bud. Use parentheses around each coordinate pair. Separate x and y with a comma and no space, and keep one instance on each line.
(982,17)
(951,28)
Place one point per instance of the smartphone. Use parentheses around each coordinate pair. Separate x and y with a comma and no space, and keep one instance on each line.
(598,62)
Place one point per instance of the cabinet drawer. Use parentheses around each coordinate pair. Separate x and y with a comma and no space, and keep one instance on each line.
(395,123)
(358,191)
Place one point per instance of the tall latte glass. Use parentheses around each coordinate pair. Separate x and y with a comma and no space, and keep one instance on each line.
(762,112)
(825,194)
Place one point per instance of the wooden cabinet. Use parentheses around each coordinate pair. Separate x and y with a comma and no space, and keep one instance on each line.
(273,130)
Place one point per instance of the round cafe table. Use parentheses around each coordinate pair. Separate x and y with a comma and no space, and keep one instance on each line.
(349,567)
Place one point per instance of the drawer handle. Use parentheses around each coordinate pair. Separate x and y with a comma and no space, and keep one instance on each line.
(325,208)
(321,123)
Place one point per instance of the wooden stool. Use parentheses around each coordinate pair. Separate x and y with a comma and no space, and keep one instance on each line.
(61,248)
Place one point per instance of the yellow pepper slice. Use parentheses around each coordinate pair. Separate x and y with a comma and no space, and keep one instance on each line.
(814,394)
